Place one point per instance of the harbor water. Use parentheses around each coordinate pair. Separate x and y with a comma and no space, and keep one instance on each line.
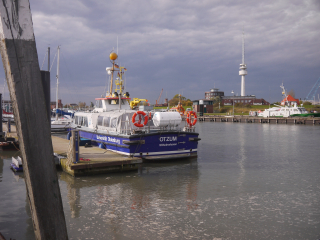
(249,181)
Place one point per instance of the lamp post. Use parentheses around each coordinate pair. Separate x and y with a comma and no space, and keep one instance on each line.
(233,101)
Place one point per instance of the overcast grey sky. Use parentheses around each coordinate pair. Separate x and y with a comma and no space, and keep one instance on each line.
(182,46)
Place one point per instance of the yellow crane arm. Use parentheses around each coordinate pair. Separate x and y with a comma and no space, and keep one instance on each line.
(136,101)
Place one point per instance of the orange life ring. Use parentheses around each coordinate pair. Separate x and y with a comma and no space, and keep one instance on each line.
(139,124)
(189,118)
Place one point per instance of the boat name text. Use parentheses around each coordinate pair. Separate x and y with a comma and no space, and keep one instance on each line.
(168,139)
(109,139)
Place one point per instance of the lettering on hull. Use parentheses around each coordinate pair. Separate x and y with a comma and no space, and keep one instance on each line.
(108,139)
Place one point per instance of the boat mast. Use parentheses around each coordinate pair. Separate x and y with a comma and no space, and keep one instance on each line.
(58,62)
(112,70)
(113,56)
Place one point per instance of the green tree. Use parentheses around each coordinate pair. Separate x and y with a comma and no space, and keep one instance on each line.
(82,104)
(215,99)
(184,101)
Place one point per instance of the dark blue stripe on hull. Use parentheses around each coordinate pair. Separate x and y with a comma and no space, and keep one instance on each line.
(149,144)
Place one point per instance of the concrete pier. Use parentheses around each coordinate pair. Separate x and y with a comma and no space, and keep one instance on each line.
(93,160)
(249,119)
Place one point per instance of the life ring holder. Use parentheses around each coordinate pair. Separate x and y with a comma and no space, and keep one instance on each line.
(189,118)
(138,124)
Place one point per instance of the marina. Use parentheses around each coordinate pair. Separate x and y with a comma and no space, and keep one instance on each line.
(249,181)
(122,168)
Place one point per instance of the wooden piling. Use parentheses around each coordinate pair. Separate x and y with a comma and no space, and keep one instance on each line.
(21,65)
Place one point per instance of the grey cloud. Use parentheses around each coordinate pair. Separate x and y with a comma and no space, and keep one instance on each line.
(182,45)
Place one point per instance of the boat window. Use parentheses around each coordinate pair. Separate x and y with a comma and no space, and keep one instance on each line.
(106,121)
(80,120)
(100,119)
(84,122)
(113,122)
(99,104)
(113,101)
(76,120)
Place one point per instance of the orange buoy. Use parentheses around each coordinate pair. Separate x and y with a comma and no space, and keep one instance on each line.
(139,124)
(191,113)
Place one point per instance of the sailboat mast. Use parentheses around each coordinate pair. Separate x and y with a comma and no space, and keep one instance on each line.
(58,63)
(48,59)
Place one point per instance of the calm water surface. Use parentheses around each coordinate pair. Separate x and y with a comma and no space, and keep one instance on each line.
(250,181)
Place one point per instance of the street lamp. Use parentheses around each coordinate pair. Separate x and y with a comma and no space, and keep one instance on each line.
(233,101)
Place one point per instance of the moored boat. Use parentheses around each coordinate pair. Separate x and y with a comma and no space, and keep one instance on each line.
(63,122)
(288,110)
(137,134)
(6,116)
(284,111)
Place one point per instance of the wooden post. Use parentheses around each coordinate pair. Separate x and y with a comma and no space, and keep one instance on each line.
(75,134)
(21,65)
(9,125)
(1,130)
(45,78)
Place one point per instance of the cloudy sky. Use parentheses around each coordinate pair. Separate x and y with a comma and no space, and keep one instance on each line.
(182,46)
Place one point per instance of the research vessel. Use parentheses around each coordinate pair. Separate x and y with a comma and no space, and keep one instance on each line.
(137,134)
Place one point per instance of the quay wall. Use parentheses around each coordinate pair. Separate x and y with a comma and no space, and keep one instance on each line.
(249,119)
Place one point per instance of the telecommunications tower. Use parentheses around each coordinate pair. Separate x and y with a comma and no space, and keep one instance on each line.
(243,70)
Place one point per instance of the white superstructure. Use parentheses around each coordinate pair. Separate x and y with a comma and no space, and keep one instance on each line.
(243,70)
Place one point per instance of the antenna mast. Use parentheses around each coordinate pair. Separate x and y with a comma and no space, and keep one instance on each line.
(242,47)
(243,69)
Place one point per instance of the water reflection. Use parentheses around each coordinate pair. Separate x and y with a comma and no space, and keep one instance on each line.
(73,194)
(243,156)
(119,203)
(1,169)
(6,155)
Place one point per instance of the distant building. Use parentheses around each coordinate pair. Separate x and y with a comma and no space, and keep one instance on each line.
(53,104)
(214,92)
(252,100)
(203,105)
(165,104)
(289,100)
(73,105)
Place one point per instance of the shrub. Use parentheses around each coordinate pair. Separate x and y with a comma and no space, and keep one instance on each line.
(238,105)
(307,103)
(223,110)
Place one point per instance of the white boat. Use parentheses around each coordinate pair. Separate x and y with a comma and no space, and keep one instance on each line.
(137,134)
(60,123)
(6,116)
(283,111)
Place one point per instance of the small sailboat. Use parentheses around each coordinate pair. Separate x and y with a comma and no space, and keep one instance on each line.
(59,123)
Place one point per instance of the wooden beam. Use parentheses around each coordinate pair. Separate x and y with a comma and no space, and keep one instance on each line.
(20,61)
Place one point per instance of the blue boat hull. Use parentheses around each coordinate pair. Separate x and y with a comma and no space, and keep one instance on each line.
(152,146)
